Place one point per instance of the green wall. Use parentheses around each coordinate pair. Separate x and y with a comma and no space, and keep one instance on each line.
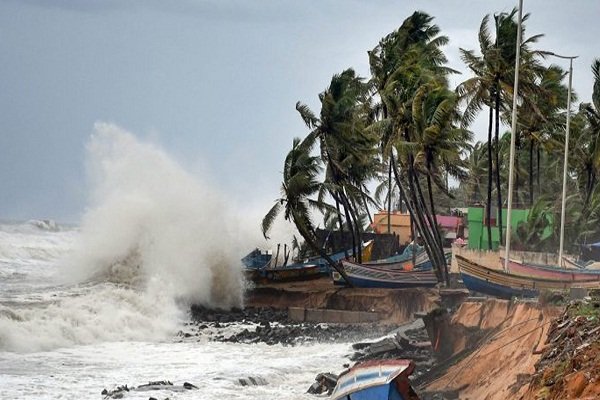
(478,236)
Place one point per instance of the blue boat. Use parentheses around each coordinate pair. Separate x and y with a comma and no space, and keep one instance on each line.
(257,259)
(481,279)
(376,380)
(324,266)
(406,256)
(370,276)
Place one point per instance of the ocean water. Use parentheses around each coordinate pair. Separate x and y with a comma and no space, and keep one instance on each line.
(100,305)
(64,341)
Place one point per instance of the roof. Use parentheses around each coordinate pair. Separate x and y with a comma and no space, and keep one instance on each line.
(449,221)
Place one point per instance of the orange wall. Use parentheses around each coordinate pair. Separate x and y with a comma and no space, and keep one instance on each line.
(400,225)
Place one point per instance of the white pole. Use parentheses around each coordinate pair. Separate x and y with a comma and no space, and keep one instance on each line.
(564,187)
(512,139)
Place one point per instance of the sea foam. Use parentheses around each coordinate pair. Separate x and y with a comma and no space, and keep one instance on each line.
(153,240)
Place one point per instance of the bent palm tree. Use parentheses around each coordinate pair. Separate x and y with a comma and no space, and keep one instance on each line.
(300,171)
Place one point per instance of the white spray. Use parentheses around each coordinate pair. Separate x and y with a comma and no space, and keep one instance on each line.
(153,240)
(149,218)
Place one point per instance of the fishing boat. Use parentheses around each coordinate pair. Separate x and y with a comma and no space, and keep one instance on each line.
(376,380)
(291,272)
(402,262)
(481,279)
(551,272)
(260,267)
(325,268)
(257,259)
(371,276)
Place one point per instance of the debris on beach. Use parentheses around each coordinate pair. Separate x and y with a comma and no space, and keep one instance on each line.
(120,391)
(570,364)
(324,384)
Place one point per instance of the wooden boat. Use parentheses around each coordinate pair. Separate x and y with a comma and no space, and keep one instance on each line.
(324,266)
(551,272)
(401,262)
(505,285)
(370,276)
(292,272)
(422,262)
(257,259)
(578,264)
(376,380)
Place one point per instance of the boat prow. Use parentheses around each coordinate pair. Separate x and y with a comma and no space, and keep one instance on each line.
(376,380)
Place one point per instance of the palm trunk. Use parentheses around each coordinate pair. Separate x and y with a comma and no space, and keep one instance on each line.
(430,220)
(357,230)
(349,220)
(365,204)
(389,208)
(488,212)
(423,218)
(531,172)
(538,170)
(340,222)
(309,239)
(497,151)
(412,209)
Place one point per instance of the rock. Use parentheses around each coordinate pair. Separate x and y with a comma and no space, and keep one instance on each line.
(189,386)
(252,381)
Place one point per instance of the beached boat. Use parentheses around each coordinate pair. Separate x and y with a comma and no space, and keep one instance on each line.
(371,276)
(292,272)
(324,266)
(259,267)
(376,380)
(402,262)
(505,285)
(551,272)
(422,262)
(257,259)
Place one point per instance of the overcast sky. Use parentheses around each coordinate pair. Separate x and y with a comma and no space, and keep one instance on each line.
(214,82)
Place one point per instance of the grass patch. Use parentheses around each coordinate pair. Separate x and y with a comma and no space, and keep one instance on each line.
(589,310)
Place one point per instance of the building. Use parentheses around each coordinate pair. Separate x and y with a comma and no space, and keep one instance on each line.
(451,226)
(399,225)
(478,235)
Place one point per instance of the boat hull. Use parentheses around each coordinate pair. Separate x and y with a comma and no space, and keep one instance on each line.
(552,273)
(375,380)
(299,272)
(502,284)
(369,276)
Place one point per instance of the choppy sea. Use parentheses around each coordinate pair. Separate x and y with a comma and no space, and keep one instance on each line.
(71,340)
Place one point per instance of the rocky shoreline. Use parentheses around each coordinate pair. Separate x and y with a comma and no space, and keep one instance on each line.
(272,326)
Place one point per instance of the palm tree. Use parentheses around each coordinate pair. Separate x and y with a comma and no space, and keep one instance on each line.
(587,149)
(491,86)
(347,148)
(300,172)
(539,117)
(439,142)
(476,165)
(386,59)
(403,62)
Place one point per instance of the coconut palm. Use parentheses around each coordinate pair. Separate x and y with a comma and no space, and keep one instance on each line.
(402,63)
(492,85)
(300,173)
(347,149)
(386,60)
(587,146)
